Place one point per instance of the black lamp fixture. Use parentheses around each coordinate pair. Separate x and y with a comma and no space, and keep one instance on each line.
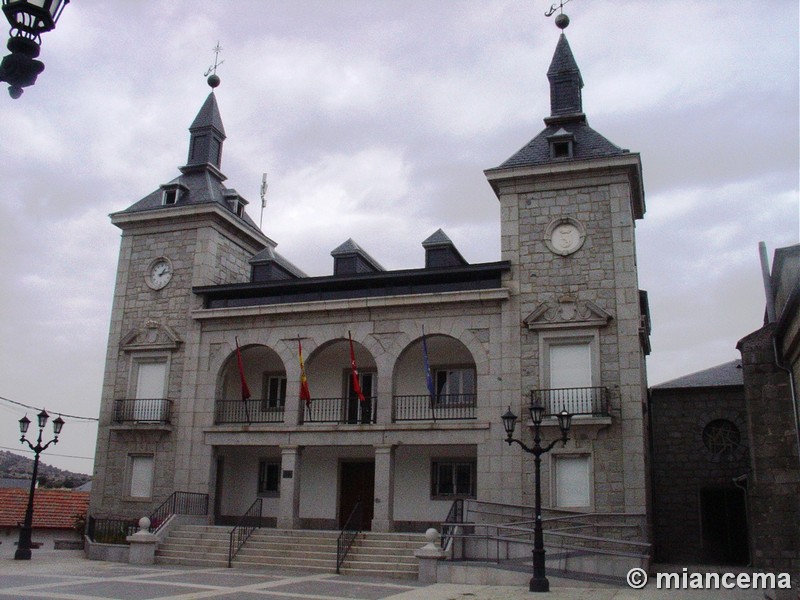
(539,582)
(29,19)
(24,544)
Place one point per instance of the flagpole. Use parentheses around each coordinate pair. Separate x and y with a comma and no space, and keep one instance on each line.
(245,389)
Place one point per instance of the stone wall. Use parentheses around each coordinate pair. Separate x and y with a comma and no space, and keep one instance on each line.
(683,464)
(774,485)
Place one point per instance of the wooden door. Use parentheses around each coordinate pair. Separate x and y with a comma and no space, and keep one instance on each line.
(357,482)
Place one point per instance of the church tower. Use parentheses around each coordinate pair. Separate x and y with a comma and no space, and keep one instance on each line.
(576,322)
(192,231)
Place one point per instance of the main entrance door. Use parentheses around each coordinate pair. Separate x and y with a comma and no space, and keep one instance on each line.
(357,482)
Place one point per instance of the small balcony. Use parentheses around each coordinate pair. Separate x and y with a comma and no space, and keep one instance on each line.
(443,407)
(248,411)
(341,411)
(142,410)
(580,402)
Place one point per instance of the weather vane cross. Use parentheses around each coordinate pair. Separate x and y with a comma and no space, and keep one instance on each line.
(555,7)
(217,62)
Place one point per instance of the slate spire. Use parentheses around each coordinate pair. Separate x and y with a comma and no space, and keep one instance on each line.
(206,136)
(565,81)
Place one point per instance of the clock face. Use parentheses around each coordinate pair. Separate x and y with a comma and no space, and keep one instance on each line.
(159,274)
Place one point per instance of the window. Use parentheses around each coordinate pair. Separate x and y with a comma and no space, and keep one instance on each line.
(570,378)
(274,391)
(140,476)
(455,386)
(453,479)
(571,481)
(562,149)
(151,379)
(269,477)
(357,411)
(170,197)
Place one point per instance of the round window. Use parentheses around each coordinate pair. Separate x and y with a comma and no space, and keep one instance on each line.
(722,437)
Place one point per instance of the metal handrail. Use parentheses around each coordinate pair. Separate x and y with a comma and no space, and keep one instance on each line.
(454,517)
(248,411)
(348,534)
(178,503)
(243,529)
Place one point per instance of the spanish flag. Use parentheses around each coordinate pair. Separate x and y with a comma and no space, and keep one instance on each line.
(304,393)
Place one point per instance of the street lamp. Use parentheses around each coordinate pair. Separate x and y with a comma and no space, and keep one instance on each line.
(24,544)
(29,19)
(539,582)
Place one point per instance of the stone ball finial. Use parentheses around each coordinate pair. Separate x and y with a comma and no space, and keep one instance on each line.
(213,80)
(144,524)
(562,21)
(431,535)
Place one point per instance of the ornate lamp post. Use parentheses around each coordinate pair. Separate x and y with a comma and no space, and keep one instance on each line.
(29,19)
(539,582)
(24,544)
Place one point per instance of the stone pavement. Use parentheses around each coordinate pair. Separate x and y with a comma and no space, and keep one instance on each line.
(67,575)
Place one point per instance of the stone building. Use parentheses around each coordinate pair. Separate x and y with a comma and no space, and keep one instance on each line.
(771,362)
(700,460)
(558,318)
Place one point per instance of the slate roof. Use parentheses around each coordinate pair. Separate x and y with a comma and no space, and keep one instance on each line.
(209,115)
(587,143)
(198,183)
(268,254)
(351,247)
(725,375)
(52,509)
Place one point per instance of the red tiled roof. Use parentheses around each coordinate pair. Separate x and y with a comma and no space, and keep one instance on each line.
(52,509)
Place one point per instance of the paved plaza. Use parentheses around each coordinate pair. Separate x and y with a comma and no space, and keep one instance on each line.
(67,575)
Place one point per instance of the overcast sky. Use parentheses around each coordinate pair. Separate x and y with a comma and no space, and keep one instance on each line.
(375,120)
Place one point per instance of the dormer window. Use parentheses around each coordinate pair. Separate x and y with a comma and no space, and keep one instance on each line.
(170,197)
(562,149)
(561,144)
(171,193)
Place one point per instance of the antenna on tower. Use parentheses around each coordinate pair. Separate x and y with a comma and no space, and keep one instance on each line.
(264,187)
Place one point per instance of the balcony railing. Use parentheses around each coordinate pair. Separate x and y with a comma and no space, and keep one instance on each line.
(142,410)
(444,407)
(581,402)
(248,411)
(341,410)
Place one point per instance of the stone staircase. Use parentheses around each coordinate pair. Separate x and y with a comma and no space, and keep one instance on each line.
(387,555)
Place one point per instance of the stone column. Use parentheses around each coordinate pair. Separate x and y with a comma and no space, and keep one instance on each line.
(289,504)
(429,556)
(383,517)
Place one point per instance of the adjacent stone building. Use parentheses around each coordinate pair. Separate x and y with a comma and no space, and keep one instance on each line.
(771,362)
(700,461)
(559,319)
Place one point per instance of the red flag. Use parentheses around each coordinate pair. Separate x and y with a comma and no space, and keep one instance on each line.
(245,389)
(354,372)
(304,393)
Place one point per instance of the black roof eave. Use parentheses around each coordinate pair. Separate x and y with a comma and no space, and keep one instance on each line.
(354,282)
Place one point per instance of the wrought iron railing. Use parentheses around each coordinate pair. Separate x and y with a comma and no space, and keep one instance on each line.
(350,530)
(586,401)
(116,531)
(454,518)
(341,410)
(142,410)
(443,407)
(249,411)
(179,503)
(110,531)
(247,524)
